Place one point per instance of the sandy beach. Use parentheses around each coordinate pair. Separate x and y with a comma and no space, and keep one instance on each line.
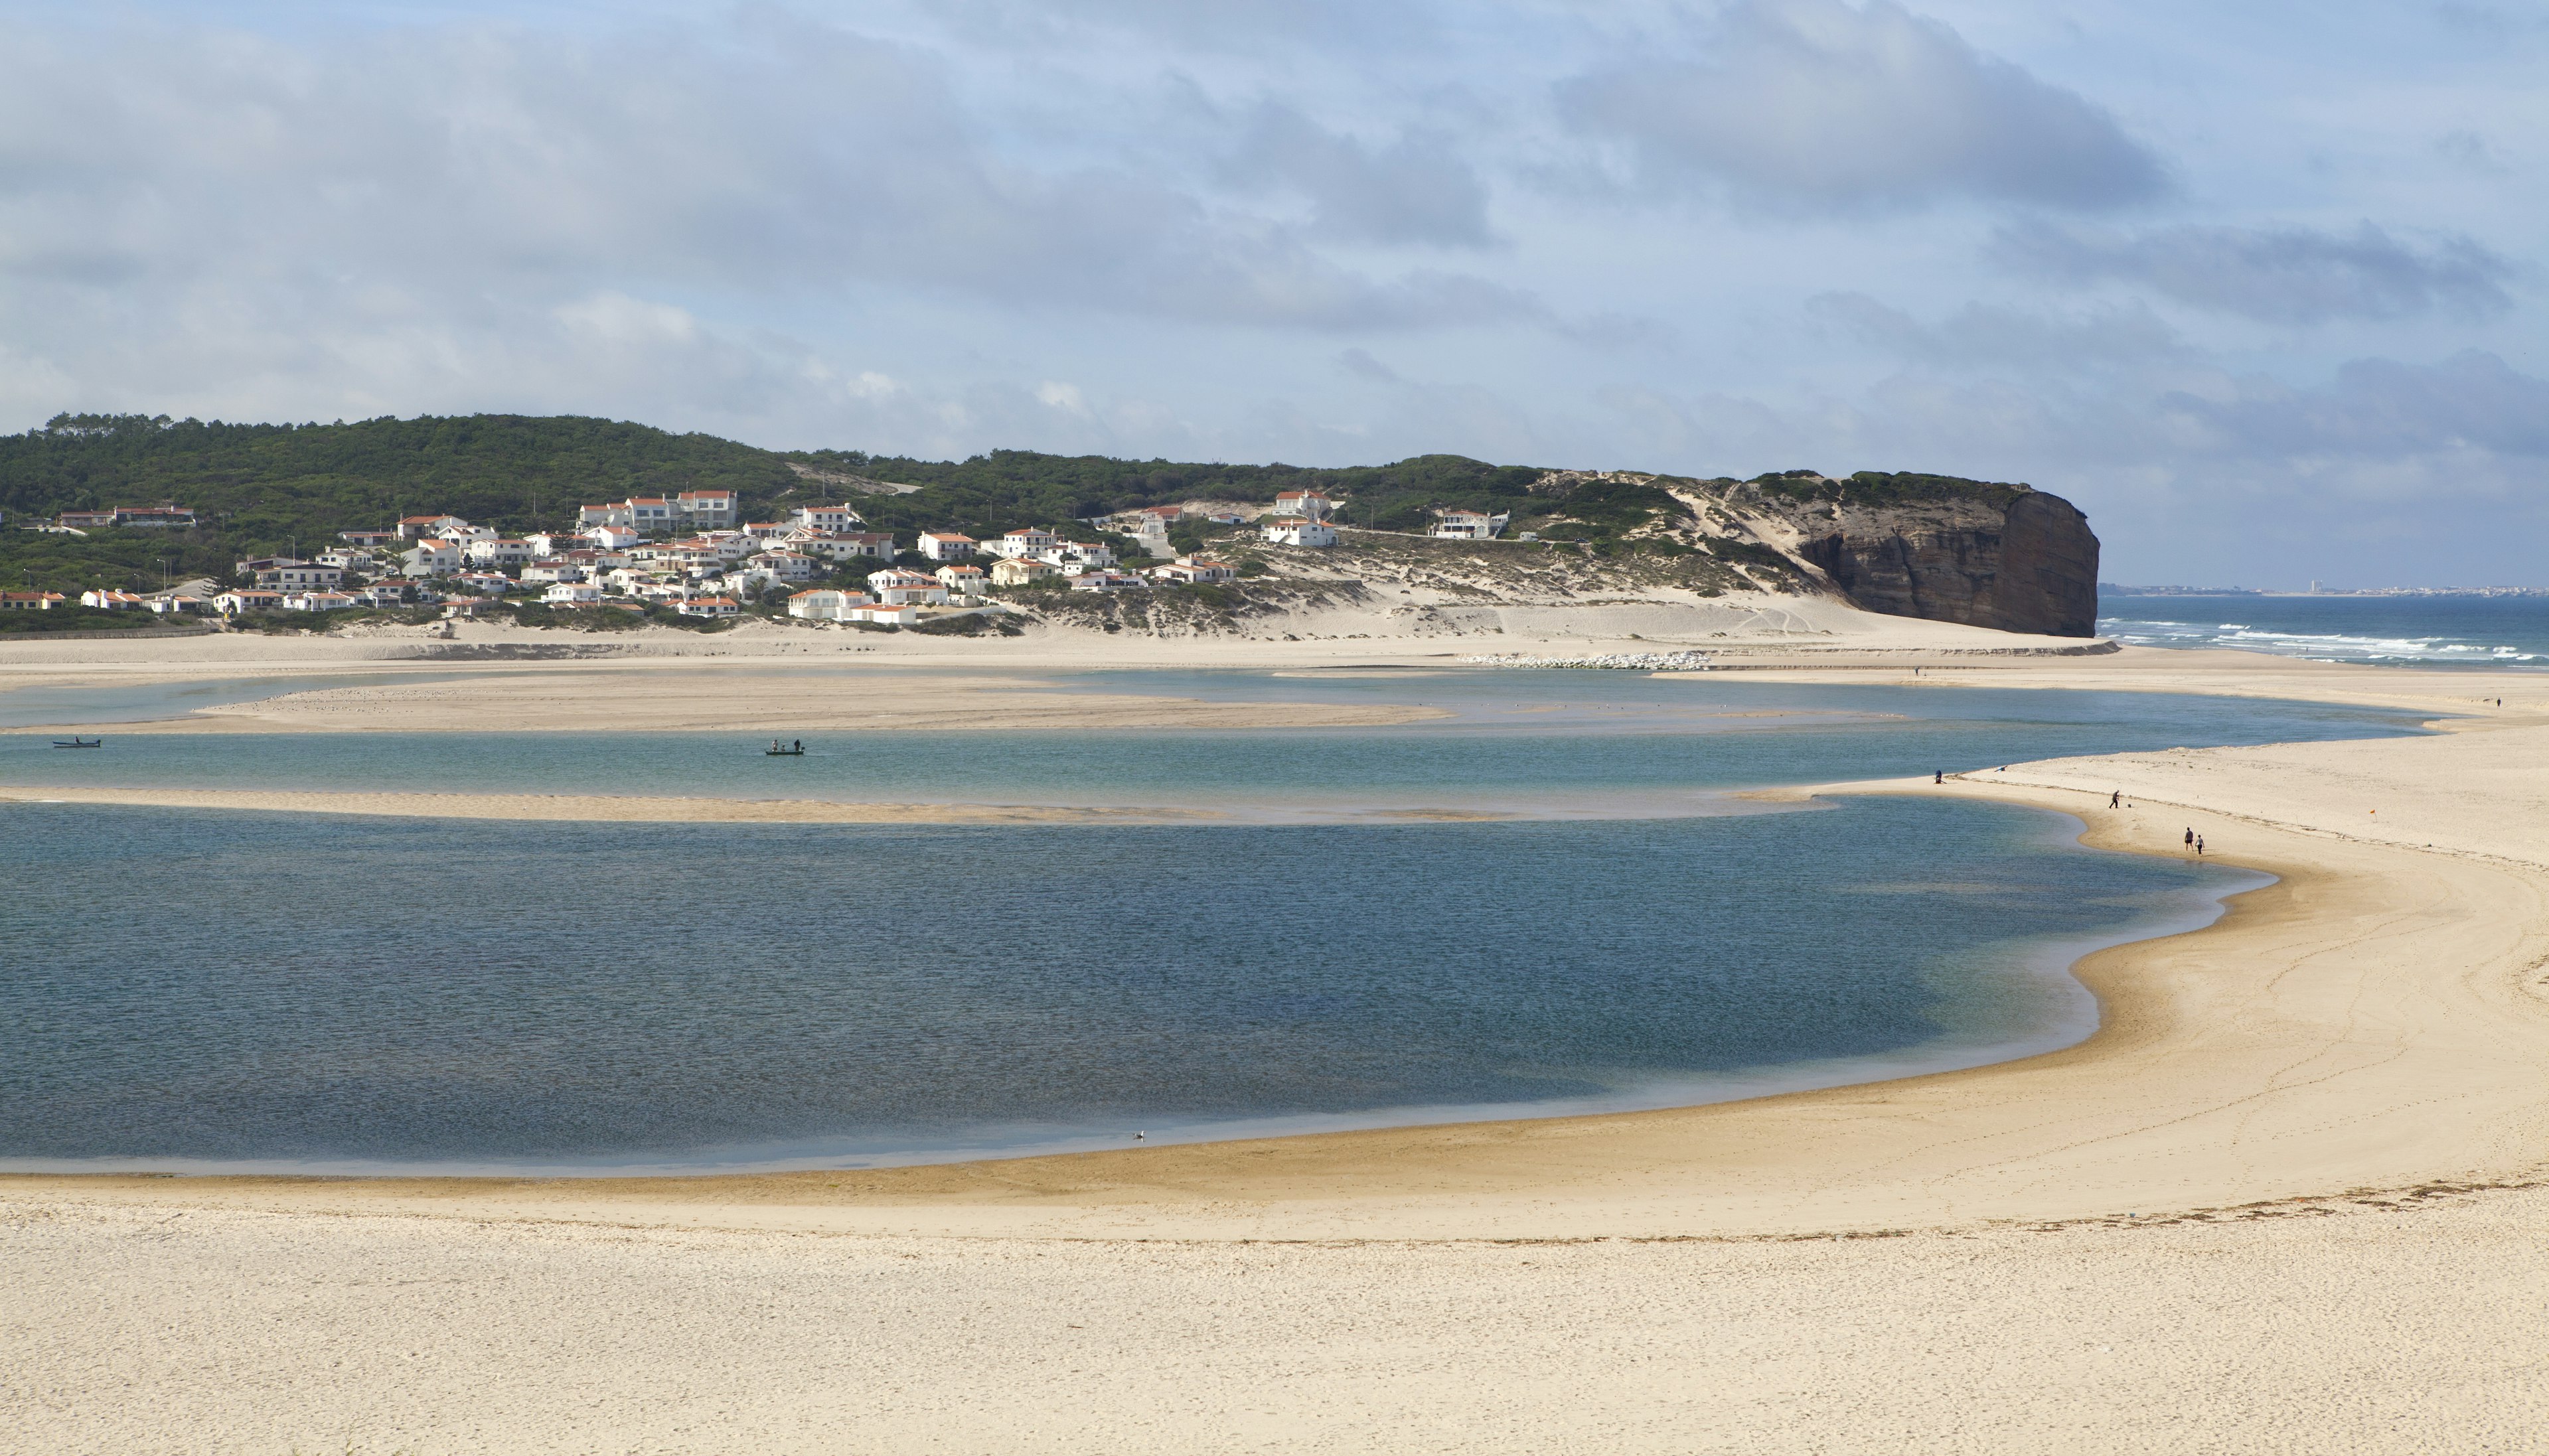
(2287,1198)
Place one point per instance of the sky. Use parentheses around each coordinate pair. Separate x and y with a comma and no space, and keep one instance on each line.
(2259,288)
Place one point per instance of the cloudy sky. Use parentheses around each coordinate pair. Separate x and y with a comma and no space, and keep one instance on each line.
(2260,287)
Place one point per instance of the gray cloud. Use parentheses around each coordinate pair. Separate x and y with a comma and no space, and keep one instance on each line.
(1812,104)
(1362,365)
(790,156)
(1199,25)
(1984,336)
(1412,190)
(2376,411)
(2275,275)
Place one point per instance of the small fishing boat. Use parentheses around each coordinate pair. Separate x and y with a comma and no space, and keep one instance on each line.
(79,742)
(778,750)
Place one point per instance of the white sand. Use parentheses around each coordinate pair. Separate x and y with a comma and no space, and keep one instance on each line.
(2315,1330)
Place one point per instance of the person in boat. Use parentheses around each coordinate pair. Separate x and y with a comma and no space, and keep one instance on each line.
(773,746)
(798,746)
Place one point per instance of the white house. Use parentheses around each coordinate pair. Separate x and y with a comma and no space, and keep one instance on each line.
(232,604)
(542,573)
(648,515)
(1308,505)
(1467,525)
(321,601)
(826,517)
(708,606)
(890,614)
(899,587)
(1194,571)
(299,576)
(432,557)
(1300,530)
(417,527)
(111,601)
(176,605)
(784,566)
(485,584)
(500,552)
(573,593)
(840,545)
(1022,571)
(826,605)
(1105,582)
(961,581)
(1081,556)
(704,510)
(946,545)
(1029,542)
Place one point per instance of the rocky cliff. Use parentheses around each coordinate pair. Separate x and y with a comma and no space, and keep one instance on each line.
(1989,555)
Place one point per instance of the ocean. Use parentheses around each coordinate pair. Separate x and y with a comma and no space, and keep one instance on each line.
(2447,631)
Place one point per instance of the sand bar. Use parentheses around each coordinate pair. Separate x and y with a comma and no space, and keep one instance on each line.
(639,809)
(683,697)
(605,808)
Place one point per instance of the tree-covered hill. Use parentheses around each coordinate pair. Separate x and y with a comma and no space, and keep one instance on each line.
(264,488)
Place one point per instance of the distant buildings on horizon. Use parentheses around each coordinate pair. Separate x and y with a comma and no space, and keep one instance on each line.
(2318,588)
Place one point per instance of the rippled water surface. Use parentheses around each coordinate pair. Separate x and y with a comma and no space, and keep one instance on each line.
(199,989)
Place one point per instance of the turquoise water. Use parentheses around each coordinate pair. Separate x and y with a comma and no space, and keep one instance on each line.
(199,990)
(1541,744)
(2431,631)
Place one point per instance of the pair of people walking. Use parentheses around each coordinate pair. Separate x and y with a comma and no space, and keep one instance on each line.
(2195,840)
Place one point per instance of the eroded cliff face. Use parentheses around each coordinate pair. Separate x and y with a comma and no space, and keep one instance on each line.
(2001,556)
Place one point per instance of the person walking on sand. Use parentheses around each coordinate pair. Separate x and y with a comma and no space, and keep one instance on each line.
(1939,776)
(2115,800)
(2199,844)
(2189,839)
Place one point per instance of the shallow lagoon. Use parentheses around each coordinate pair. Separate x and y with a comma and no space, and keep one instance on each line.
(198,989)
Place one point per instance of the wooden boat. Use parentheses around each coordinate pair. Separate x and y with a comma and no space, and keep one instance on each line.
(776,752)
(79,742)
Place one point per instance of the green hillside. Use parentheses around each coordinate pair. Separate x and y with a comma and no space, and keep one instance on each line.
(265,489)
